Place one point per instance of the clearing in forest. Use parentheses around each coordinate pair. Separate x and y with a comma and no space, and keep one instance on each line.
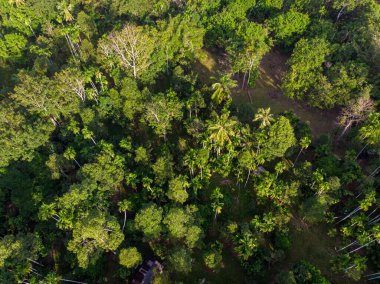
(267,91)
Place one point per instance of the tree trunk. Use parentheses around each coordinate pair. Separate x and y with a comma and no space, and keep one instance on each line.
(340,12)
(242,85)
(348,125)
(77,163)
(374,172)
(299,153)
(365,146)
(125,219)
(246,181)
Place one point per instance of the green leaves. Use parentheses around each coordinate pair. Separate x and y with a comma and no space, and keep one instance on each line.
(17,254)
(289,26)
(148,220)
(93,234)
(161,111)
(130,257)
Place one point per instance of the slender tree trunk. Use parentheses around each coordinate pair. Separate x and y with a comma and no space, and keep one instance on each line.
(349,214)
(77,163)
(375,171)
(351,244)
(125,219)
(365,146)
(72,281)
(242,85)
(246,181)
(348,125)
(299,153)
(341,12)
(362,246)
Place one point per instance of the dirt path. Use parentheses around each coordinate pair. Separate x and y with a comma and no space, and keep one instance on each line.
(267,91)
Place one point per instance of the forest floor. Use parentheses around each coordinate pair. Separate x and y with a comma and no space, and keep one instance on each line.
(310,242)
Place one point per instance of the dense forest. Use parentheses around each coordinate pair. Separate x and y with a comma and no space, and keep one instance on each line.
(228,141)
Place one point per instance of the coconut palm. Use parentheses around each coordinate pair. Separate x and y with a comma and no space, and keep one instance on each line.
(264,116)
(222,89)
(66,10)
(304,144)
(18,3)
(221,130)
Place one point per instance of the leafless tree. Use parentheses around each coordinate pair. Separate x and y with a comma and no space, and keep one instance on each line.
(355,112)
(131,47)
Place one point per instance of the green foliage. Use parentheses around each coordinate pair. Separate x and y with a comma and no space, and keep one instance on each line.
(177,189)
(213,257)
(161,111)
(130,257)
(306,68)
(17,254)
(148,220)
(180,261)
(94,234)
(289,26)
(279,138)
(304,272)
(117,125)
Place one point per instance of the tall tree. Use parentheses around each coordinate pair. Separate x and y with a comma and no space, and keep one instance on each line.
(130,48)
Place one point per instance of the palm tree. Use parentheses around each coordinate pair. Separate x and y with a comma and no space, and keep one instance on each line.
(221,131)
(222,89)
(304,143)
(124,206)
(264,116)
(66,9)
(18,3)
(217,204)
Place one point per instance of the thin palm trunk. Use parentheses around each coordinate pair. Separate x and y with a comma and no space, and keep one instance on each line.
(125,219)
(299,153)
(246,181)
(361,151)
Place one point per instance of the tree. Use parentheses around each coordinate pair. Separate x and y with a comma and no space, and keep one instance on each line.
(306,68)
(217,204)
(161,111)
(177,189)
(304,144)
(17,255)
(356,112)
(222,130)
(93,234)
(264,116)
(180,260)
(280,137)
(13,46)
(213,257)
(124,206)
(289,26)
(181,225)
(18,3)
(163,169)
(39,95)
(222,89)
(148,220)
(370,131)
(130,48)
(20,134)
(130,257)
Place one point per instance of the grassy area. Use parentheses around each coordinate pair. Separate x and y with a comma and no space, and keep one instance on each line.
(267,91)
(310,243)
